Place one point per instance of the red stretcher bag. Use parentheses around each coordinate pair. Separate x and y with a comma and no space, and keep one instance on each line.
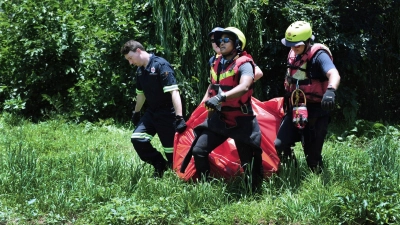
(224,160)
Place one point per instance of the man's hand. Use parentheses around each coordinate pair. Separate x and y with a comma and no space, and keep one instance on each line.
(328,100)
(135,118)
(214,102)
(180,124)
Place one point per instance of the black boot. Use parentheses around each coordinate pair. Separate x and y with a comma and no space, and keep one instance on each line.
(257,174)
(288,159)
(160,166)
(317,169)
(169,160)
(159,170)
(202,167)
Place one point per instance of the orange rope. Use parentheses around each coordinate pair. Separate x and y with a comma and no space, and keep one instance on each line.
(298,91)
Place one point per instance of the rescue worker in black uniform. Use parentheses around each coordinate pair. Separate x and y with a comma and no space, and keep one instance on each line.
(155,84)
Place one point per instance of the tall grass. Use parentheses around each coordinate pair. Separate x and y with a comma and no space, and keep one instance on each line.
(59,172)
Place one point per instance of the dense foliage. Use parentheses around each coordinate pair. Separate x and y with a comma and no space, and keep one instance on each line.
(62,57)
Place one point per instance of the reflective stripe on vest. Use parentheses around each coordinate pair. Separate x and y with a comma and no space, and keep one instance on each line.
(229,78)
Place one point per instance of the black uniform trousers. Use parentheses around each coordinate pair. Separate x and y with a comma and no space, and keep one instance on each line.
(250,157)
(158,121)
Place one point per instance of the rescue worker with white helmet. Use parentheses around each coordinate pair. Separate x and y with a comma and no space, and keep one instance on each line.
(310,70)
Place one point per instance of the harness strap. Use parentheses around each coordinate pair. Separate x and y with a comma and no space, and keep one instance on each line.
(245,108)
(296,68)
(292,80)
(219,72)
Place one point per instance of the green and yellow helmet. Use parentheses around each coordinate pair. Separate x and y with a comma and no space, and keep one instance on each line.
(240,41)
(297,33)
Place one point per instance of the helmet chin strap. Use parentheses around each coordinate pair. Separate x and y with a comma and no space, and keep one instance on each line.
(306,47)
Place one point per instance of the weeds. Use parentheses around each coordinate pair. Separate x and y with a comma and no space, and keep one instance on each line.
(55,172)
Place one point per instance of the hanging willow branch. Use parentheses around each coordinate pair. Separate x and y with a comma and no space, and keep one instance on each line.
(182,28)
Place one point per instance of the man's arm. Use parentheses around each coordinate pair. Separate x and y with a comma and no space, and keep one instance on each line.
(328,99)
(206,94)
(258,74)
(241,89)
(329,69)
(180,124)
(176,101)
(140,99)
(334,78)
(246,80)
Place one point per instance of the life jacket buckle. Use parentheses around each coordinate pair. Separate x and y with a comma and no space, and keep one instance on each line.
(244,109)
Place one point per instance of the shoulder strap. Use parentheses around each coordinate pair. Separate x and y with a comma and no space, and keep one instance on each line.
(316,49)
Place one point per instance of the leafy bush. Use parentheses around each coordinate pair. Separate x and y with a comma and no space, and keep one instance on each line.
(377,201)
(366,130)
(63,56)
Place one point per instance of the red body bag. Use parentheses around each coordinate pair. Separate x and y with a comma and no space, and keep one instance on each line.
(224,160)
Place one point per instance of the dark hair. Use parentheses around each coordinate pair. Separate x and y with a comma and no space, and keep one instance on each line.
(131,45)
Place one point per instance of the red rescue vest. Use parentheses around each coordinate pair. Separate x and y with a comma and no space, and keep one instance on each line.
(228,78)
(297,73)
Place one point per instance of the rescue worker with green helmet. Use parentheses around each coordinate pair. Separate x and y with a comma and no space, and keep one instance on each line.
(310,70)
(230,110)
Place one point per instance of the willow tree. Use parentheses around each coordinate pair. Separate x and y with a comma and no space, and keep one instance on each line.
(181,28)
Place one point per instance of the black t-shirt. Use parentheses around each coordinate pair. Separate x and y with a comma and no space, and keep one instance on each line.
(319,65)
(156,81)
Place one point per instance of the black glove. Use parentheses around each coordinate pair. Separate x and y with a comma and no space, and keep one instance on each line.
(328,100)
(135,118)
(214,102)
(180,124)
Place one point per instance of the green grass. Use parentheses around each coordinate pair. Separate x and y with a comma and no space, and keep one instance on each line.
(59,172)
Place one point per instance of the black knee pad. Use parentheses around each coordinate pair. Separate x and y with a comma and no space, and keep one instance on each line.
(282,149)
(199,152)
(277,144)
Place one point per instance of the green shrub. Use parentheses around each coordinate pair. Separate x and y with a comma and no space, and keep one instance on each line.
(62,57)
